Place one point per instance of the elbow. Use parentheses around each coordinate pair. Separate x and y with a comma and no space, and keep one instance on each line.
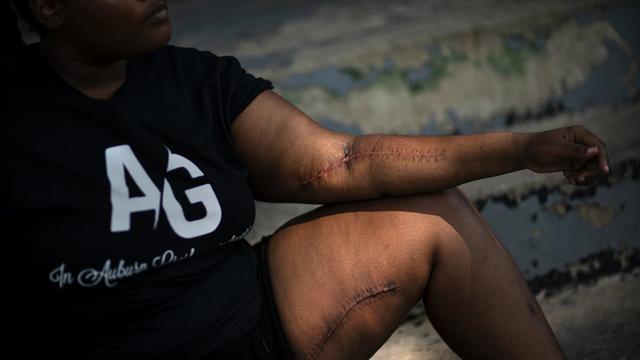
(345,171)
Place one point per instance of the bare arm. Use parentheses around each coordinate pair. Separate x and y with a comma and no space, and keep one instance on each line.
(293,159)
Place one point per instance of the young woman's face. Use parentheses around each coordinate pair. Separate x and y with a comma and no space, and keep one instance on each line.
(116,29)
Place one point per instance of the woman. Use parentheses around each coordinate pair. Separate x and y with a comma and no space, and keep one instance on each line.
(133,169)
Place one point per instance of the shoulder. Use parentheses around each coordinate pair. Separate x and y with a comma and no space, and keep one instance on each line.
(193,69)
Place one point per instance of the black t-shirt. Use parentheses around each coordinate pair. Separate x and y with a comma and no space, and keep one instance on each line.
(127,217)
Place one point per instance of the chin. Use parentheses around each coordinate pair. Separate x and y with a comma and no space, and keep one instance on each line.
(155,39)
(164,38)
(162,34)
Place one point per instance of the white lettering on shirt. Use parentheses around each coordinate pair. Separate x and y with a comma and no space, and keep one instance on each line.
(109,274)
(61,277)
(118,159)
(121,158)
(203,194)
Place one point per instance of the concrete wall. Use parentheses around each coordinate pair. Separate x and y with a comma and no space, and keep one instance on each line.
(447,67)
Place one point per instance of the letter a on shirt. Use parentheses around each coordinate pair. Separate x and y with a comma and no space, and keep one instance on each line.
(121,158)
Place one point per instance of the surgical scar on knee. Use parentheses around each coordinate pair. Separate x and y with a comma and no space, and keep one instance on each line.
(350,155)
(363,297)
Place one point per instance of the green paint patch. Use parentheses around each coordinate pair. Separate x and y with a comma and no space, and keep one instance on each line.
(354,73)
(392,79)
(517,50)
(439,67)
(508,63)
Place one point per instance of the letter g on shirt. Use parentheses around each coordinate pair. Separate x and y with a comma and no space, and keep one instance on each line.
(121,158)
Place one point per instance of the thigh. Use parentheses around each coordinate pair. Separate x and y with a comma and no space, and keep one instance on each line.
(344,276)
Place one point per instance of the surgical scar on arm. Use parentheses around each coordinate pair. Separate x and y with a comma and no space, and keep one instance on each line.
(378,152)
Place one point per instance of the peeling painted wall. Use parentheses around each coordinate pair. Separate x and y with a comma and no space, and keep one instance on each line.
(450,67)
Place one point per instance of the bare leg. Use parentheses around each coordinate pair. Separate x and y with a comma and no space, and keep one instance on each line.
(344,277)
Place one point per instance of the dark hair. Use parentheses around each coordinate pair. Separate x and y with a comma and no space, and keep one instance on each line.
(25,12)
(10,33)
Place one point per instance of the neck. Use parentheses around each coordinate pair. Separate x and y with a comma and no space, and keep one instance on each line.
(94,78)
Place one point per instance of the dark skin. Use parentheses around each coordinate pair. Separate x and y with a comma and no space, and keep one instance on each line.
(74,40)
(401,231)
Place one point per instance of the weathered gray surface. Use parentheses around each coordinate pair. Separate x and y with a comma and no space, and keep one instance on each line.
(595,321)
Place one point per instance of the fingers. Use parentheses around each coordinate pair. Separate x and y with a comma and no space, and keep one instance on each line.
(578,154)
(587,175)
(586,137)
(585,169)
(603,159)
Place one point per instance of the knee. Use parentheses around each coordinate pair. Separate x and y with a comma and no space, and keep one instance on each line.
(438,212)
(450,201)
(455,196)
(435,219)
(450,219)
(464,233)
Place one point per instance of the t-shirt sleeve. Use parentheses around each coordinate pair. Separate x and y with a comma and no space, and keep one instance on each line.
(228,86)
(238,87)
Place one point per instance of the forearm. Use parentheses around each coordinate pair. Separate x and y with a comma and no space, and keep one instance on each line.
(372,166)
(291,158)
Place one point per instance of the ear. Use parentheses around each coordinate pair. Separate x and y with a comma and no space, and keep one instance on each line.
(50,13)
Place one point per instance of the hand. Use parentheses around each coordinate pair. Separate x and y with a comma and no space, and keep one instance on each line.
(574,150)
